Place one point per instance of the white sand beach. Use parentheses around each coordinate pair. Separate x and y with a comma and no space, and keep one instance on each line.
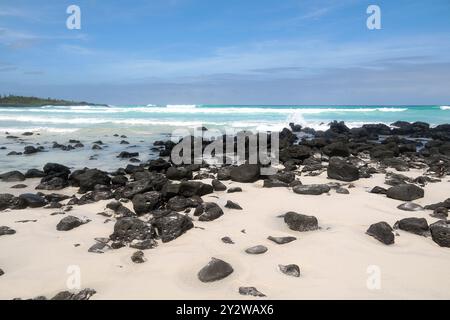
(334,260)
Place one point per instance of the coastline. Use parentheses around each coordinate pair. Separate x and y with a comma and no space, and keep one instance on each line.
(333,260)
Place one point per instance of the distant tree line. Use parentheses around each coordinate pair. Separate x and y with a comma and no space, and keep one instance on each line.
(13,100)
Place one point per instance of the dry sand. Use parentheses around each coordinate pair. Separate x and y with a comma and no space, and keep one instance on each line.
(333,260)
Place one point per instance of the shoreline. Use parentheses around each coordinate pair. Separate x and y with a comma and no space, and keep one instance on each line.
(333,259)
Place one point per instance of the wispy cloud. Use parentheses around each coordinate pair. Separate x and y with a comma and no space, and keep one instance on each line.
(11,12)
(15,39)
(34,73)
(280,58)
(77,49)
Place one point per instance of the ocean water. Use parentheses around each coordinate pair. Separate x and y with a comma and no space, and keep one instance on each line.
(157,119)
(144,124)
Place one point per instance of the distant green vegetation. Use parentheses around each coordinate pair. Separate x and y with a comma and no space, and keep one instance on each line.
(12,100)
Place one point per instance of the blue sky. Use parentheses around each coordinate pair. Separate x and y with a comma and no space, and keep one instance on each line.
(227,52)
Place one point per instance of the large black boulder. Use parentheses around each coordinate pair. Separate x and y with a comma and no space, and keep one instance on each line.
(194,188)
(245,173)
(295,152)
(34,173)
(180,203)
(382,231)
(128,229)
(158,165)
(211,211)
(33,200)
(172,226)
(223,173)
(337,149)
(6,200)
(146,202)
(218,186)
(51,169)
(69,223)
(90,178)
(301,222)
(339,169)
(215,270)
(52,183)
(405,192)
(12,176)
(414,225)
(180,173)
(440,233)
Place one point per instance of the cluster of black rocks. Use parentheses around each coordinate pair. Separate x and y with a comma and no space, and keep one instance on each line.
(84,294)
(163,195)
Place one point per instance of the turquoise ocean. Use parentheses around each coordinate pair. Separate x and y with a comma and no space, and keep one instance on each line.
(143,124)
(157,119)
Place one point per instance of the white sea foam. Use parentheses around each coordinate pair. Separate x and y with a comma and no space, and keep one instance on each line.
(93,121)
(181,106)
(193,109)
(38,129)
(445,108)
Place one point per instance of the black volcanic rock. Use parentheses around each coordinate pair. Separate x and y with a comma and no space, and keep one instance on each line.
(128,155)
(382,231)
(234,189)
(180,173)
(232,205)
(292,270)
(12,176)
(138,257)
(55,169)
(34,173)
(256,250)
(245,173)
(215,270)
(337,149)
(30,150)
(414,225)
(440,233)
(129,229)
(250,291)
(295,152)
(33,200)
(69,223)
(410,206)
(218,186)
(223,173)
(311,189)
(339,169)
(211,211)
(192,188)
(282,240)
(89,178)
(301,222)
(405,192)
(378,190)
(4,230)
(6,200)
(172,226)
(146,202)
